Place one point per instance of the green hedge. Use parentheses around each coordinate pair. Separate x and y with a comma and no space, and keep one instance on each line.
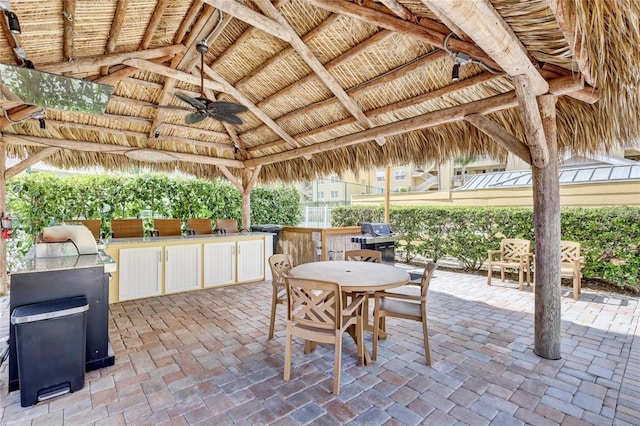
(42,199)
(610,237)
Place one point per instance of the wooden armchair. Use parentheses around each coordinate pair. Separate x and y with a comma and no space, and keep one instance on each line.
(94,225)
(514,253)
(126,228)
(199,227)
(571,264)
(316,313)
(167,227)
(280,265)
(227,226)
(403,304)
(364,255)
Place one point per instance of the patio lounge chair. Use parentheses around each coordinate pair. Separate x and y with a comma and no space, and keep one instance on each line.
(403,303)
(280,265)
(514,253)
(316,313)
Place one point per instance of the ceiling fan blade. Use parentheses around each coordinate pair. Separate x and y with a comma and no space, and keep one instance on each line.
(191,101)
(222,107)
(195,117)
(227,118)
(172,107)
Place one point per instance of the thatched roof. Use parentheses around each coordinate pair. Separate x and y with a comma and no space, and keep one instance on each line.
(330,85)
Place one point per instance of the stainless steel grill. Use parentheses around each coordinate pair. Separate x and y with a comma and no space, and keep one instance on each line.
(380,237)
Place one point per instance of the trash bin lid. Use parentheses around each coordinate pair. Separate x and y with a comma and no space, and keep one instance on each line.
(267,228)
(49,310)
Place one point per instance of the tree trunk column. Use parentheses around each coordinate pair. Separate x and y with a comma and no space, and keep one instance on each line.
(246,199)
(546,218)
(3,209)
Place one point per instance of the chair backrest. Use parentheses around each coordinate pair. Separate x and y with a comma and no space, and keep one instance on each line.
(313,303)
(127,228)
(364,255)
(429,269)
(227,226)
(280,265)
(200,226)
(167,227)
(569,251)
(94,225)
(514,248)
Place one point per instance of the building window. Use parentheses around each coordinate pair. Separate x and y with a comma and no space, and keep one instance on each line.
(334,194)
(379,191)
(320,181)
(334,179)
(400,175)
(379,176)
(320,195)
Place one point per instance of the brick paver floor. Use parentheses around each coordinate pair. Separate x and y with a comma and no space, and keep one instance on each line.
(203,358)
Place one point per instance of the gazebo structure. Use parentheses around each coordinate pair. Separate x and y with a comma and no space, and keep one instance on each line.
(328,86)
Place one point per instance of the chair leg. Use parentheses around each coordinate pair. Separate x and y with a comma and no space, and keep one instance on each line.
(376,334)
(520,278)
(576,287)
(337,366)
(287,352)
(489,273)
(360,334)
(274,302)
(425,331)
(502,273)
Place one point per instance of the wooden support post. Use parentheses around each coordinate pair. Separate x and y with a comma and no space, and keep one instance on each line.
(3,208)
(546,217)
(249,178)
(387,193)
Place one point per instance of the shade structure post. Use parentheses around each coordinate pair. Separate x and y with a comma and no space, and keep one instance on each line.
(546,217)
(387,194)
(246,199)
(3,209)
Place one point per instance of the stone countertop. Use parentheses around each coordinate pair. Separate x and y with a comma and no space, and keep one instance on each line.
(30,263)
(138,240)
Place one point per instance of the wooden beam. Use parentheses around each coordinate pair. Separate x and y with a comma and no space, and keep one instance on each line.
(3,208)
(228,88)
(114,31)
(546,218)
(12,39)
(188,20)
(89,64)
(486,27)
(165,97)
(566,22)
(115,149)
(28,162)
(231,178)
(209,32)
(121,74)
(406,28)
(251,17)
(500,135)
(204,20)
(156,18)
(312,61)
(443,116)
(531,120)
(173,73)
(400,11)
(19,115)
(69,19)
(589,95)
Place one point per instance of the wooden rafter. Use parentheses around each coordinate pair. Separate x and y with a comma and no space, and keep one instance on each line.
(173,73)
(500,135)
(312,61)
(68,14)
(28,162)
(251,17)
(399,10)
(114,149)
(188,20)
(231,177)
(567,25)
(165,96)
(116,26)
(208,33)
(155,20)
(490,32)
(443,116)
(88,64)
(122,74)
(448,22)
(409,29)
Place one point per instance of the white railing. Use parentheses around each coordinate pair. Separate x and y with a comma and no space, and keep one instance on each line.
(317,217)
(428,183)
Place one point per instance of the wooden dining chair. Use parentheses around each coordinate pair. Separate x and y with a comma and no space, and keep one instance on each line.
(94,225)
(126,228)
(199,227)
(406,304)
(227,226)
(280,265)
(571,264)
(364,255)
(167,227)
(515,253)
(315,313)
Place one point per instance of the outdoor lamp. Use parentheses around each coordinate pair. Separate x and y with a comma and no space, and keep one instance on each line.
(455,73)
(12,19)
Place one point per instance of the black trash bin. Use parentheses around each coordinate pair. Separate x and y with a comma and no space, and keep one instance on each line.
(275,229)
(50,348)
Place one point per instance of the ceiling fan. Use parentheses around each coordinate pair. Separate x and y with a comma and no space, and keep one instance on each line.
(202,107)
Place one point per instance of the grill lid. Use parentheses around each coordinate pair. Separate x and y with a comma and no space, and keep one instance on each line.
(375,229)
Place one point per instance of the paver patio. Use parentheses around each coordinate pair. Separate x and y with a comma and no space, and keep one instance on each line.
(203,358)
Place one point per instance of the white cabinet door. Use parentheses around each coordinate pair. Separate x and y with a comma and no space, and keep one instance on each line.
(140,273)
(250,260)
(182,268)
(219,264)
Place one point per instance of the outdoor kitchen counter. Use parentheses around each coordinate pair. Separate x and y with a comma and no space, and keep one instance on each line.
(154,266)
(30,263)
